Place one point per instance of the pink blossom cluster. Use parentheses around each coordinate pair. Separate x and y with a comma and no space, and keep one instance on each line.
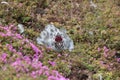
(106,52)
(3,58)
(118,59)
(107,58)
(10,31)
(29,64)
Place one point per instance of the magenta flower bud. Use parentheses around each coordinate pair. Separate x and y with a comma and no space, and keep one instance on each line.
(58,38)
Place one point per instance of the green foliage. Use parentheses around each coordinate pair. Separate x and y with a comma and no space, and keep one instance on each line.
(89,27)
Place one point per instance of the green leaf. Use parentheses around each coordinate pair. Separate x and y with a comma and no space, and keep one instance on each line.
(26,19)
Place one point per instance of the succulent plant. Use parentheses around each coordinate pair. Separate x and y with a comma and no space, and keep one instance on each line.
(55,38)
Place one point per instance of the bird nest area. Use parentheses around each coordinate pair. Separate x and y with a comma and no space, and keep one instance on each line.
(92,25)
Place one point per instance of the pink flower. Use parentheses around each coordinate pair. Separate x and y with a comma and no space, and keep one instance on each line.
(40,72)
(19,53)
(105,54)
(27,60)
(36,65)
(2,34)
(10,47)
(46,73)
(18,36)
(33,74)
(118,59)
(8,33)
(52,63)
(99,49)
(52,78)
(55,73)
(16,63)
(45,68)
(3,57)
(105,49)
(59,55)
(35,48)
(24,63)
